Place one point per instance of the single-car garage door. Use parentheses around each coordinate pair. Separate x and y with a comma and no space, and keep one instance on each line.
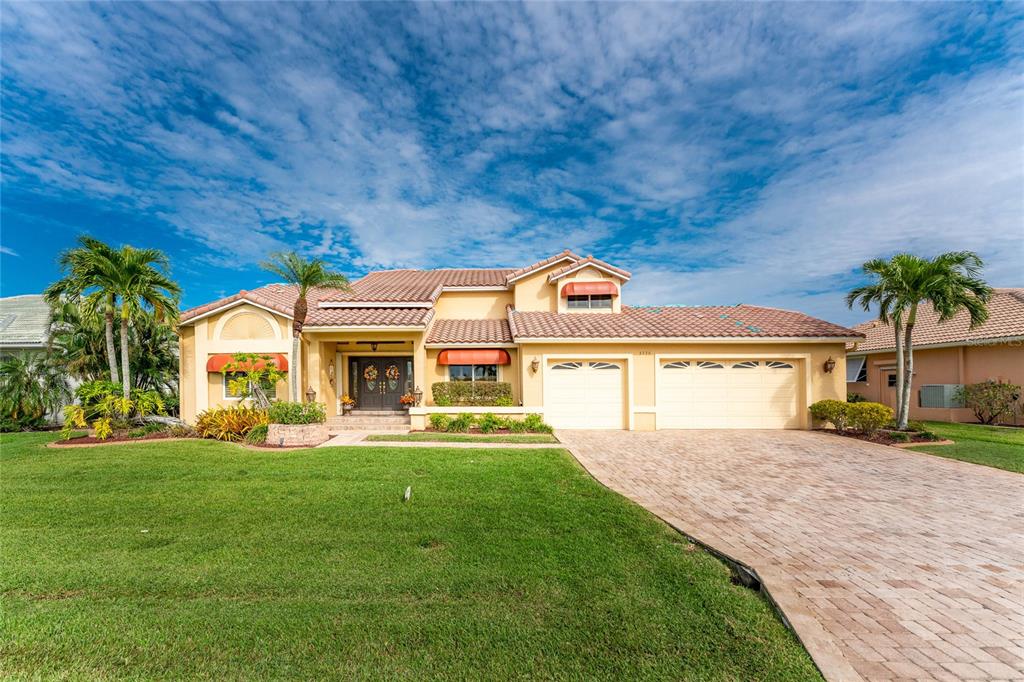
(584,394)
(728,394)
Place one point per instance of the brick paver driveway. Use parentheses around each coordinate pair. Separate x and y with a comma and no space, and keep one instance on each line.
(888,564)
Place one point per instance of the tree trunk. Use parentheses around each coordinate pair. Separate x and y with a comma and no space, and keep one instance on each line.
(126,389)
(298,320)
(908,372)
(108,318)
(897,325)
(293,371)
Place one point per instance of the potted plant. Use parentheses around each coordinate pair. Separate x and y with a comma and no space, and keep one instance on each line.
(347,403)
(407,400)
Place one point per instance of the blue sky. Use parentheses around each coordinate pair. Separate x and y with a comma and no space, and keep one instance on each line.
(724,153)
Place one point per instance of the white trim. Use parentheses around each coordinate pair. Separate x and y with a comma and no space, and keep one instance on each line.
(219,328)
(21,346)
(541,267)
(971,343)
(587,264)
(496,287)
(473,409)
(375,304)
(686,339)
(470,345)
(628,359)
(226,306)
(362,328)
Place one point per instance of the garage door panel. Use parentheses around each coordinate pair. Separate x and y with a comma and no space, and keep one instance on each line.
(584,395)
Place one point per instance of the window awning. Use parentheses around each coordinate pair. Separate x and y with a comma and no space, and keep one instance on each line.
(589,289)
(217,362)
(853,368)
(474,356)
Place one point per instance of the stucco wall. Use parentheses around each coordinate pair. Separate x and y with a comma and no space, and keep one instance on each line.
(472,305)
(535,293)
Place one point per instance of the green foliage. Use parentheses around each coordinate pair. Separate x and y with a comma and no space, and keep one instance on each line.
(257,435)
(182,431)
(249,375)
(461,423)
(229,423)
(440,422)
(503,401)
(835,412)
(102,401)
(32,385)
(991,401)
(855,398)
(488,423)
(916,426)
(146,429)
(535,424)
(869,417)
(103,428)
(516,425)
(900,436)
(471,393)
(284,412)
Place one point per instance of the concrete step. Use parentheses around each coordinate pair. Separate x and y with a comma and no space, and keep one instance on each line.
(368,420)
(379,413)
(396,428)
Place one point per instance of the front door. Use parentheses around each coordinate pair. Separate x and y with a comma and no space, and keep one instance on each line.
(378,383)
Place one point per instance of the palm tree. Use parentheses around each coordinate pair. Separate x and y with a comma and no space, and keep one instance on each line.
(91,271)
(951,282)
(305,275)
(31,386)
(142,282)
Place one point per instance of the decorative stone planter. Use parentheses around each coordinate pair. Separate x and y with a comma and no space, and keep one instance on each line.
(297,435)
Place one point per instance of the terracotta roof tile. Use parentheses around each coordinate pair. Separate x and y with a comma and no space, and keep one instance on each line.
(662,322)
(368,317)
(540,264)
(418,286)
(589,260)
(1005,318)
(470,331)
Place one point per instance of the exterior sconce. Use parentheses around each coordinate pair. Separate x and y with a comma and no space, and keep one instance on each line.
(829,365)
(373,346)
(417,394)
(310,395)
(534,365)
(330,373)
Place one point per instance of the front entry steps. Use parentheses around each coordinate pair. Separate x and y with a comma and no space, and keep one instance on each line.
(370,420)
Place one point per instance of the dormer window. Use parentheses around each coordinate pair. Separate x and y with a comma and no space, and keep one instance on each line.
(594,302)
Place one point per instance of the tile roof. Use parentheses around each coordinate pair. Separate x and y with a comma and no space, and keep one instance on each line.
(1005,319)
(24,321)
(589,260)
(515,274)
(368,317)
(470,331)
(418,286)
(742,321)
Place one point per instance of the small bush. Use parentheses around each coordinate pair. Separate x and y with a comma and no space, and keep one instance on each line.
(488,423)
(916,426)
(182,431)
(146,429)
(900,436)
(855,398)
(503,401)
(477,393)
(869,417)
(440,422)
(297,413)
(461,423)
(229,423)
(257,435)
(927,435)
(990,401)
(535,424)
(516,426)
(835,412)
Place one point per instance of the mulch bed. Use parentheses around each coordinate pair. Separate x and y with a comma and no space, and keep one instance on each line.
(885,438)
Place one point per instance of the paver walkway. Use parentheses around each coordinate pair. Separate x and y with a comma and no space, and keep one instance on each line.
(889,564)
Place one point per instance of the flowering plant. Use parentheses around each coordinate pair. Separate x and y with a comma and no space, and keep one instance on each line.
(348,400)
(407,399)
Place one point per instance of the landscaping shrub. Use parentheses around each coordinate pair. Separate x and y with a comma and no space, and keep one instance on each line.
(229,423)
(916,426)
(461,423)
(899,436)
(440,422)
(835,412)
(869,417)
(257,435)
(488,423)
(182,431)
(855,398)
(535,424)
(146,429)
(477,393)
(297,413)
(516,426)
(991,401)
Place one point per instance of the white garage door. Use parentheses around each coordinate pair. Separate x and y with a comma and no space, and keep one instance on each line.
(728,394)
(584,394)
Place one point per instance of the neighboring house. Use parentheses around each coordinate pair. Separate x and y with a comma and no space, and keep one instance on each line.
(556,330)
(24,324)
(947,355)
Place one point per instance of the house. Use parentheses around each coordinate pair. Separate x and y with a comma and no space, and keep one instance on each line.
(947,355)
(24,324)
(558,331)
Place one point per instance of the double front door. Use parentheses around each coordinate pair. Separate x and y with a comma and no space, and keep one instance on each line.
(378,383)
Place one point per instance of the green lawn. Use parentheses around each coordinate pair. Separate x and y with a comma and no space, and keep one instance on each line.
(1001,447)
(307,564)
(434,437)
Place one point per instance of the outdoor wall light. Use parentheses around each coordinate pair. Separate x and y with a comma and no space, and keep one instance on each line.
(417,394)
(534,365)
(310,395)
(829,365)
(330,373)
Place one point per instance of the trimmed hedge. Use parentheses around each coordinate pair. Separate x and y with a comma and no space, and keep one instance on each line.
(297,413)
(488,423)
(467,393)
(863,417)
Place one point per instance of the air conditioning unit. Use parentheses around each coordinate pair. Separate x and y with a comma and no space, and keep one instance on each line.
(939,395)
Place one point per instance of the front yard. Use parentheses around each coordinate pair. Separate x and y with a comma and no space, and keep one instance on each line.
(1001,447)
(201,559)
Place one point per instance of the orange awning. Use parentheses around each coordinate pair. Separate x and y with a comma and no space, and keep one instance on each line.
(589,289)
(216,362)
(474,356)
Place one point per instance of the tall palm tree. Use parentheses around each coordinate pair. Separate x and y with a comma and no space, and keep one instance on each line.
(91,272)
(950,282)
(142,283)
(305,275)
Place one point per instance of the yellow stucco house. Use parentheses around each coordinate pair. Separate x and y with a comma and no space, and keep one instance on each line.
(557,331)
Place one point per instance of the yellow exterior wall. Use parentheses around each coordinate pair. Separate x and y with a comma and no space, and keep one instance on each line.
(587,274)
(434,372)
(535,293)
(472,305)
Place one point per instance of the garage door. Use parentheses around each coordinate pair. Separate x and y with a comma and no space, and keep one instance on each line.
(584,394)
(728,394)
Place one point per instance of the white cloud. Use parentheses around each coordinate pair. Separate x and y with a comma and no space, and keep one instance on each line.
(8,251)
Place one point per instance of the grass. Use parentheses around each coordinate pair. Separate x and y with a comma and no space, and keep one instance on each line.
(201,559)
(1001,447)
(435,437)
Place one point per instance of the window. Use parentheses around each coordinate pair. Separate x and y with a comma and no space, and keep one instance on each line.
(940,395)
(567,365)
(890,381)
(856,370)
(709,365)
(775,364)
(748,364)
(596,302)
(681,364)
(472,372)
(269,388)
(603,365)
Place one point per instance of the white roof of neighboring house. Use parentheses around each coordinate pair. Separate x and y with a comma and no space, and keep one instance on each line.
(24,321)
